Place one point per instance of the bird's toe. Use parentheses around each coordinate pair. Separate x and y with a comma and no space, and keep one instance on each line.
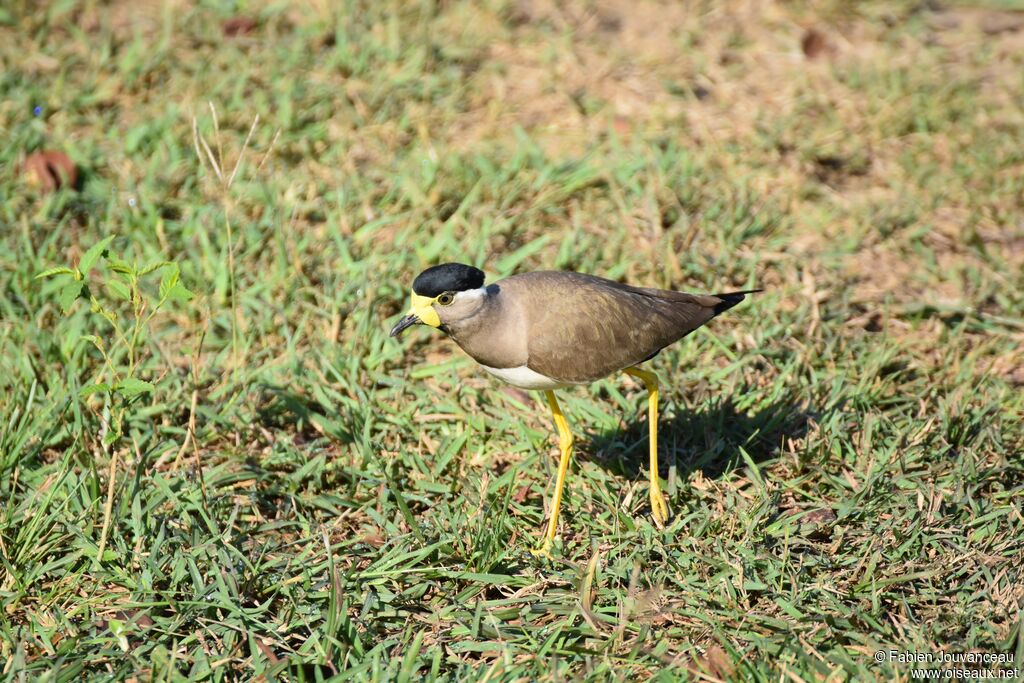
(659,508)
(544,551)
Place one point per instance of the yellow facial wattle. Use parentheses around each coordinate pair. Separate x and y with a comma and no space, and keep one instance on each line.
(422,308)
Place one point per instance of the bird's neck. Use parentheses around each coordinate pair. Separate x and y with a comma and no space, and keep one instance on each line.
(493,336)
(488,310)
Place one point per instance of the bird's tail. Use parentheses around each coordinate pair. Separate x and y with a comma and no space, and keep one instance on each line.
(730,299)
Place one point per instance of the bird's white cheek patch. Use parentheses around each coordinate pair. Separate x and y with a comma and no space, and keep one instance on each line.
(478,293)
(524,378)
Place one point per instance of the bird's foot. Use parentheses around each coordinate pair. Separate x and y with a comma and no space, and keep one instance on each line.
(544,551)
(659,508)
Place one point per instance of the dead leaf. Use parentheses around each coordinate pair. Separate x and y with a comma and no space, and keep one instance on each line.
(814,44)
(135,617)
(266,650)
(239,26)
(715,662)
(820,516)
(375,540)
(810,524)
(49,170)
(522,494)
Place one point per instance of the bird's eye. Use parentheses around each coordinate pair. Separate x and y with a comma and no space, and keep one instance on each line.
(446,298)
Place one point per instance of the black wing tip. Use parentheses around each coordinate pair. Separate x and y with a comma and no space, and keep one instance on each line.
(730,299)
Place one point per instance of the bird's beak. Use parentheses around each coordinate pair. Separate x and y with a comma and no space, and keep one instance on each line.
(406,321)
(422,313)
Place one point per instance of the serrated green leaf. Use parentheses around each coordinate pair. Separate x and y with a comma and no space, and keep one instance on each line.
(119,289)
(169,280)
(156,265)
(93,389)
(179,292)
(68,294)
(95,251)
(119,266)
(59,270)
(130,387)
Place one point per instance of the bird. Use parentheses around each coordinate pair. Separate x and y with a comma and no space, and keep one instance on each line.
(549,330)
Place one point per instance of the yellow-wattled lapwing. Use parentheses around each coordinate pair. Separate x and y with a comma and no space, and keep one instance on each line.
(549,330)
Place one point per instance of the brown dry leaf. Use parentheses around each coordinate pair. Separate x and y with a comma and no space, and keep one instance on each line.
(49,170)
(375,540)
(715,662)
(133,623)
(267,651)
(811,524)
(136,617)
(239,26)
(522,494)
(821,516)
(814,44)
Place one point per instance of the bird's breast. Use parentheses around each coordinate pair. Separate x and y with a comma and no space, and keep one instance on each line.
(525,378)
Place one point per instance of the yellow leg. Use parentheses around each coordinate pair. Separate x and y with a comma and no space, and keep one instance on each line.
(659,509)
(565,446)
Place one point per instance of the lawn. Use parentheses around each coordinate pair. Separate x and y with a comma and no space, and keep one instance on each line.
(225,469)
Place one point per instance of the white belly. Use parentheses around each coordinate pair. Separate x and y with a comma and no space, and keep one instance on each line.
(525,378)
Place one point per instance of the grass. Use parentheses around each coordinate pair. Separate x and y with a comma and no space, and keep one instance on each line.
(302,497)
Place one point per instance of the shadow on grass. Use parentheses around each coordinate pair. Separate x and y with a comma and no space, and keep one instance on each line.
(282,408)
(708,439)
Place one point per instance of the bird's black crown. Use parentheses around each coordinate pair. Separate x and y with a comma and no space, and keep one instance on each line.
(447,277)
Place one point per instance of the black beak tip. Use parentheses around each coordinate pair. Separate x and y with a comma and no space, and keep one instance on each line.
(407,321)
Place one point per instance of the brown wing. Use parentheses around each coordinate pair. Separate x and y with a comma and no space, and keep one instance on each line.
(582,328)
